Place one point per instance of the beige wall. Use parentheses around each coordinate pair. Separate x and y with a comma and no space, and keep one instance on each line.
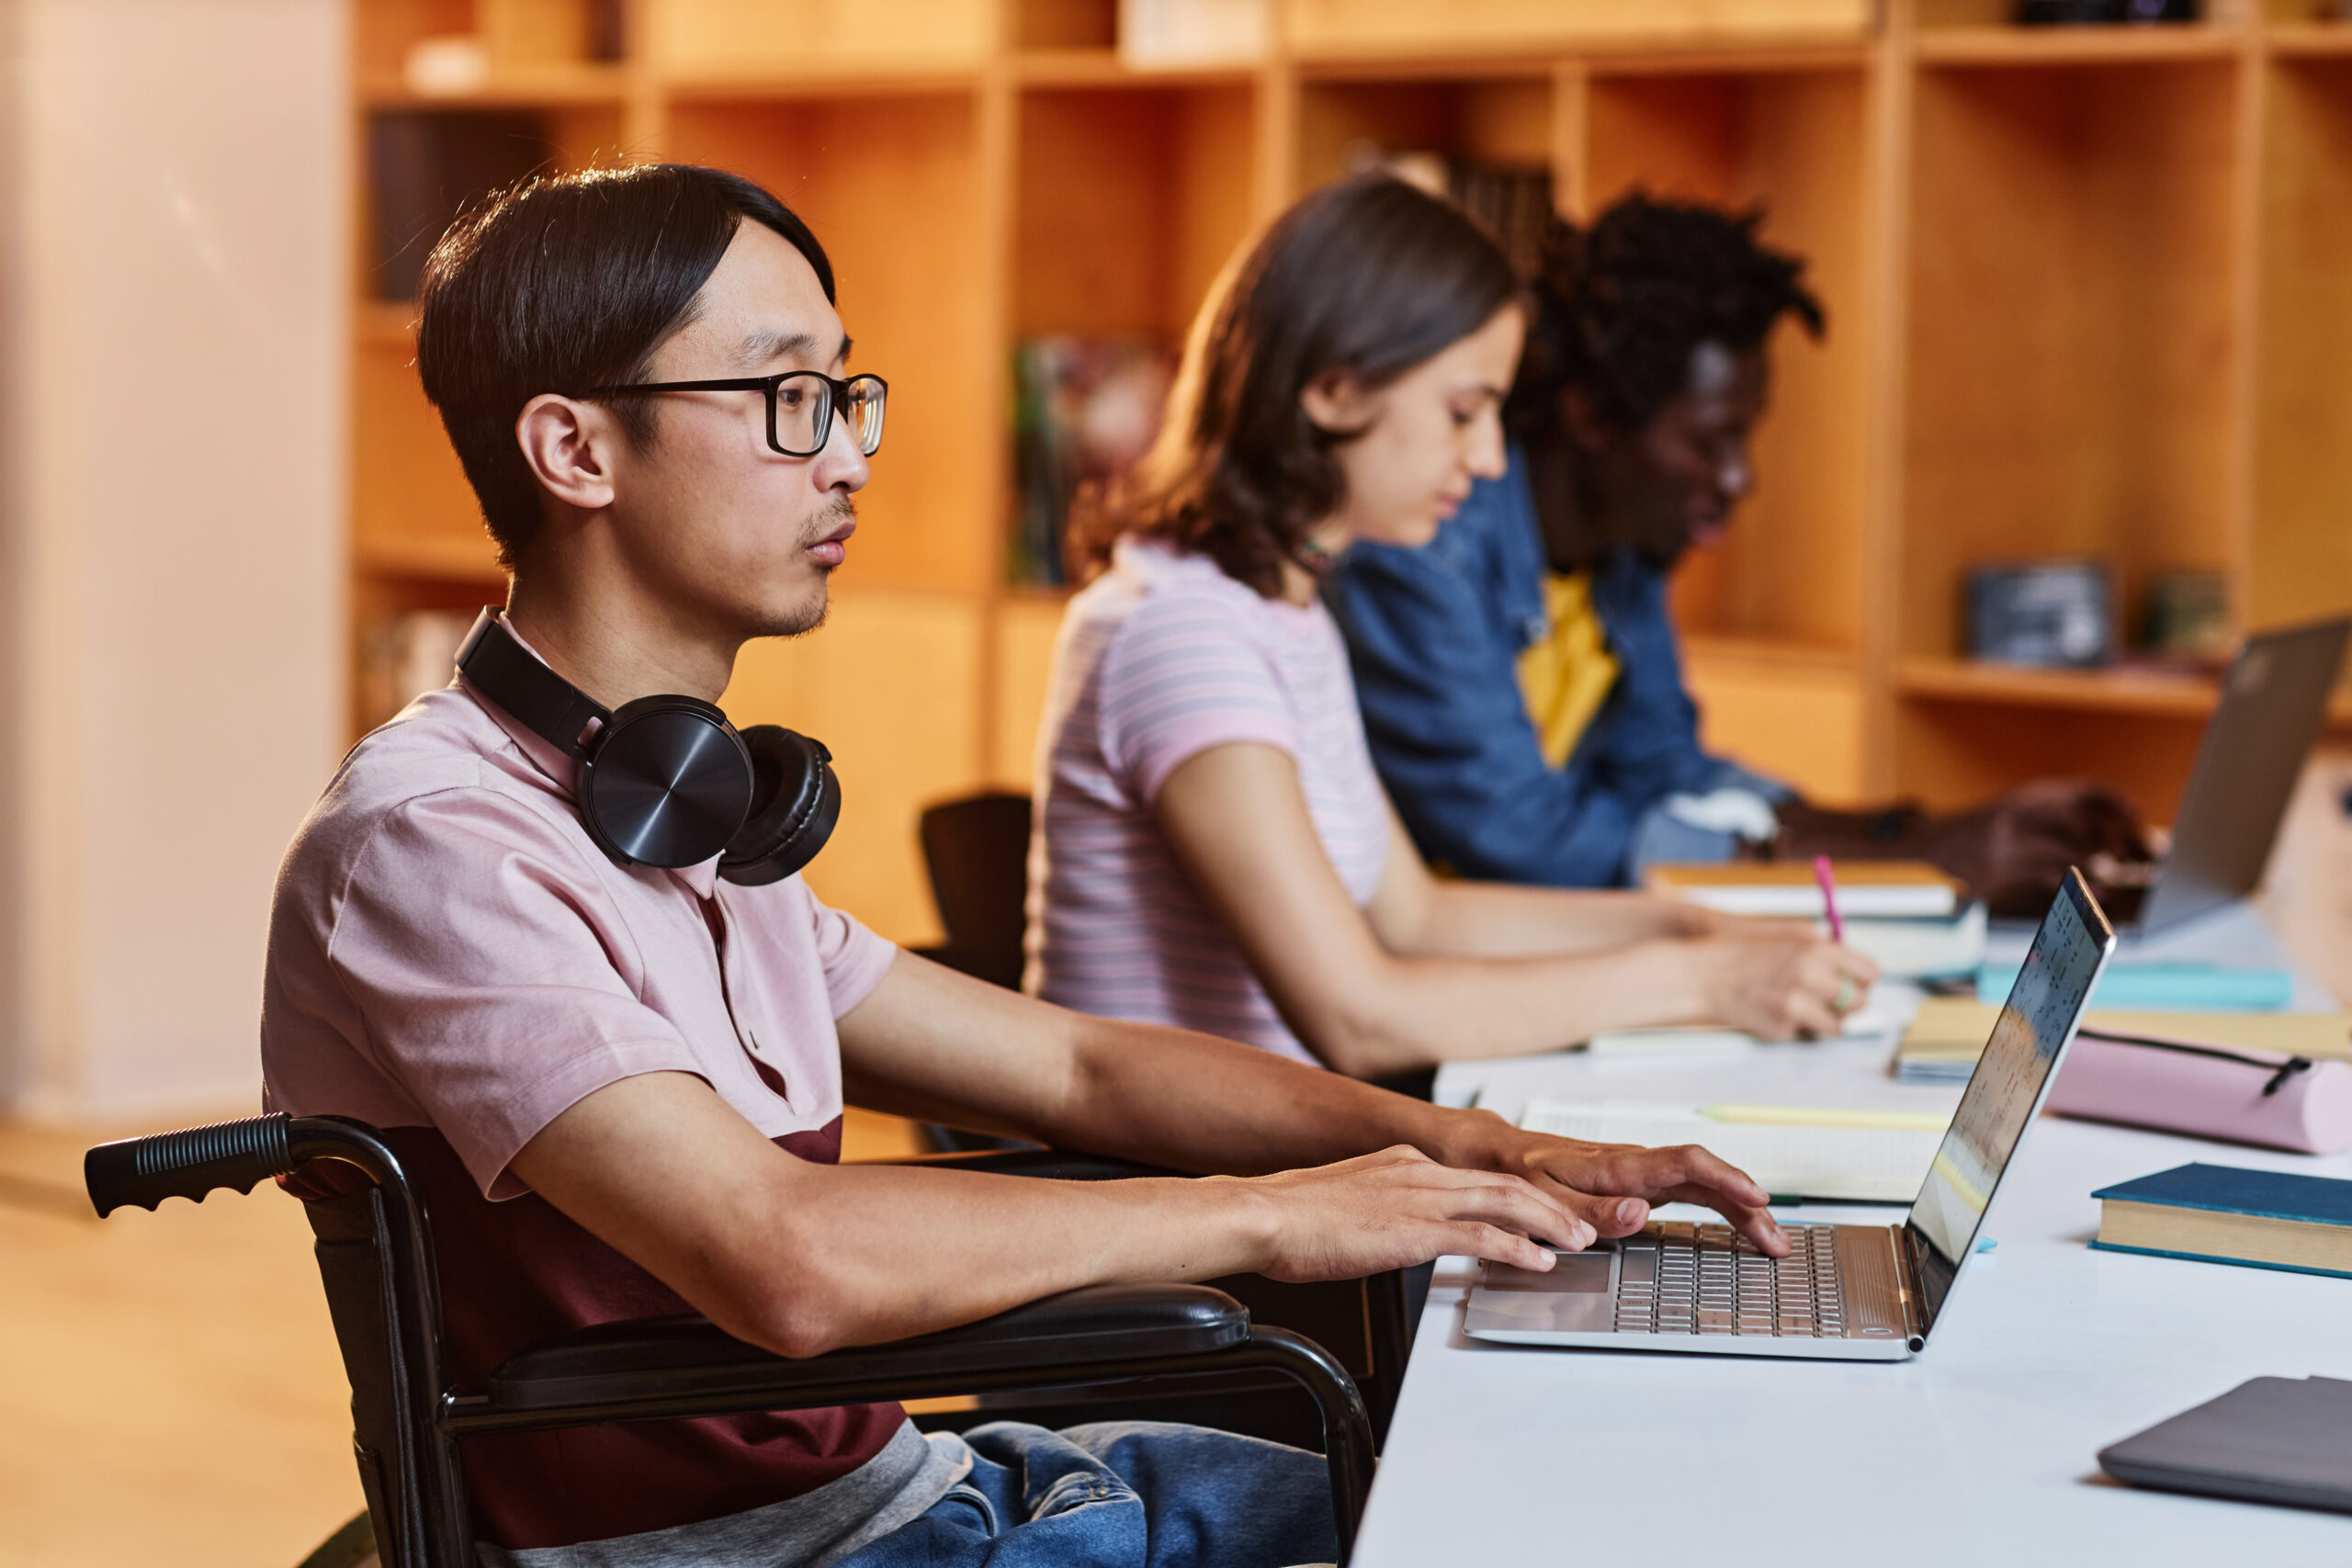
(176,209)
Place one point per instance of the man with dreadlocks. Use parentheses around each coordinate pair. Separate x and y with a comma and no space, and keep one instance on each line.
(1520,677)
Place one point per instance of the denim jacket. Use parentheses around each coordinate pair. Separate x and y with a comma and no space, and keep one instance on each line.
(1434,636)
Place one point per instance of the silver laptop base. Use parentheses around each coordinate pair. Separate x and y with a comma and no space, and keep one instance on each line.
(1842,1294)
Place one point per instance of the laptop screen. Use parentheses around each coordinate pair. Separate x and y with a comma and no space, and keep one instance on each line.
(2035,1024)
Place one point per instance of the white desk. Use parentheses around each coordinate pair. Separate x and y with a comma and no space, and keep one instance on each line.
(1980,1451)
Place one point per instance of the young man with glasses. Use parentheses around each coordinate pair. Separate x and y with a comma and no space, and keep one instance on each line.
(621,1087)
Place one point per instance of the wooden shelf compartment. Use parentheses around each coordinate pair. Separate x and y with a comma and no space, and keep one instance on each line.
(560,86)
(893,687)
(2299,563)
(448,153)
(1503,120)
(1789,570)
(1091,25)
(408,497)
(2072,327)
(380,602)
(1788,709)
(1952,754)
(892,188)
(1968,727)
(1127,202)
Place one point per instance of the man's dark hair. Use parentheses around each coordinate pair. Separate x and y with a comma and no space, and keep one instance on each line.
(1620,306)
(566,282)
(1369,276)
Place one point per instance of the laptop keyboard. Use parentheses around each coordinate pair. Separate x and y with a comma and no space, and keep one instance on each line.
(1680,1278)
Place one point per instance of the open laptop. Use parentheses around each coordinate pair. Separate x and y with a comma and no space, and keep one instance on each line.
(2274,701)
(1844,1293)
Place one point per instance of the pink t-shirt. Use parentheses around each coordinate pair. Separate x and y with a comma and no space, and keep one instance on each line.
(449,948)
(1158,659)
(452,959)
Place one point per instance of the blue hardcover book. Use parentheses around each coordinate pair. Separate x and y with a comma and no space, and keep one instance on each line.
(2168,987)
(2222,1214)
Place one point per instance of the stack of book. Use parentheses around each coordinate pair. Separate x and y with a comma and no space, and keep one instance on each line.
(1914,921)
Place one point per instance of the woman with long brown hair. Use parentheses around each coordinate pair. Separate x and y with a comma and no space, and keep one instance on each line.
(1216,851)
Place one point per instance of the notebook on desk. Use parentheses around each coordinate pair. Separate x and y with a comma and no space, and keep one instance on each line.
(1844,1293)
(1792,1158)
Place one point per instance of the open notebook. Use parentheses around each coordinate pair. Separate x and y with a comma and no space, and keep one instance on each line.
(1825,1162)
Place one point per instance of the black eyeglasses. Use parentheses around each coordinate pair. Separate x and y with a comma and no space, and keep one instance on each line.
(800,406)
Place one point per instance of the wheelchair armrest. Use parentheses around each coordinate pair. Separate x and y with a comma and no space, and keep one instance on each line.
(687,1355)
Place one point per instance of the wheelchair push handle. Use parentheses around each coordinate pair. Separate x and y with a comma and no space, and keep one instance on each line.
(189,1162)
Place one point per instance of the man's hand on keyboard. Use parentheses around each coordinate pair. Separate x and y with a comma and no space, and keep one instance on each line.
(1612,1186)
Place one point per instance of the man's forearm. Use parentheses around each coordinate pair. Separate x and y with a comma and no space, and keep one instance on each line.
(803,1258)
(1192,1102)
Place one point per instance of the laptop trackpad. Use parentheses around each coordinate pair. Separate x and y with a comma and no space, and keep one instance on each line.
(1575,1294)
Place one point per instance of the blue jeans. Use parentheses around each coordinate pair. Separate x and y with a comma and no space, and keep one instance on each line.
(1120,1494)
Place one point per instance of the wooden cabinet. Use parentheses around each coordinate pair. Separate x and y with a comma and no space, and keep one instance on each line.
(2085,287)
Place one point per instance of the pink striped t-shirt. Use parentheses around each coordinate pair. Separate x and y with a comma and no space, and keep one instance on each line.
(1158,659)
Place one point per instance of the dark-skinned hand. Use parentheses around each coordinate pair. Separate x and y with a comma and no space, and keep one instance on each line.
(2014,851)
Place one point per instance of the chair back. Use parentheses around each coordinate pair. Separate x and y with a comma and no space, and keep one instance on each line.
(977,850)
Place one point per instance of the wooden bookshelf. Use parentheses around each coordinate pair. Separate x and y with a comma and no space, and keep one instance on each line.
(2084,287)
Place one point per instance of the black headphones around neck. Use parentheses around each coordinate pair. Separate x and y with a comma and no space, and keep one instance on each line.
(666,780)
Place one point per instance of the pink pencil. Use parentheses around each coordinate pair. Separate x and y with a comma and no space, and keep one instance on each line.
(1821,874)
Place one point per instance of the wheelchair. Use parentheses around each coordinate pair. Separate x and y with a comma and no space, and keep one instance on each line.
(1101,1352)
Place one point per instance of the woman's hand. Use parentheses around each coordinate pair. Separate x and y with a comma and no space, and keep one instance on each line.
(1781,985)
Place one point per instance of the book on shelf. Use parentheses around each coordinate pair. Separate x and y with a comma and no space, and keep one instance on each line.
(1947,1034)
(2222,1214)
(1084,409)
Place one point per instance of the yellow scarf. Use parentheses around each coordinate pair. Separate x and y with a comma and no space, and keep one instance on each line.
(1565,678)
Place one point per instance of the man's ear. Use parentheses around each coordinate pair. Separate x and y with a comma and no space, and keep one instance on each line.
(568,445)
(1336,403)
